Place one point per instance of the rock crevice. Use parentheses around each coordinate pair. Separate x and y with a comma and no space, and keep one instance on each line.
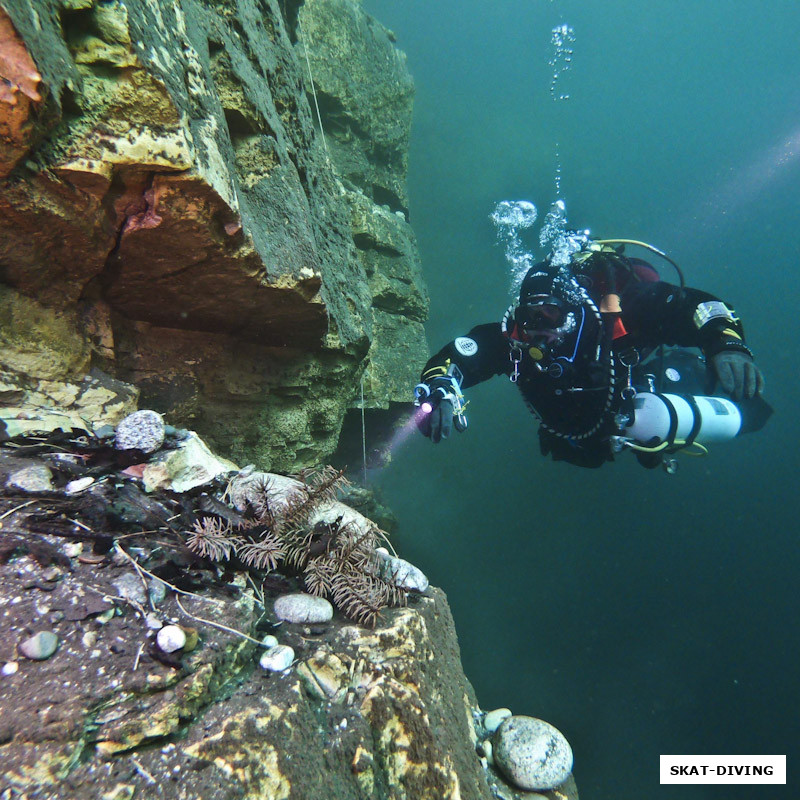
(166,180)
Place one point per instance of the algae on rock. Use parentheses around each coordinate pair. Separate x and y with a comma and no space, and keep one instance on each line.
(169,191)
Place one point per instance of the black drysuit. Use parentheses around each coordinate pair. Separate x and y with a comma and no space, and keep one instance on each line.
(576,402)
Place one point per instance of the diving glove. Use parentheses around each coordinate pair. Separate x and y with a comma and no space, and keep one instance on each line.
(440,406)
(738,374)
(438,424)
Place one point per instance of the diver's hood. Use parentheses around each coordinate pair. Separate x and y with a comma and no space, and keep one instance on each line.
(538,282)
(546,280)
(555,320)
(549,296)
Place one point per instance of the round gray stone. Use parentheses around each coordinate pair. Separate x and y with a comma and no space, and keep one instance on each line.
(40,646)
(531,753)
(143,430)
(36,478)
(171,638)
(130,587)
(302,607)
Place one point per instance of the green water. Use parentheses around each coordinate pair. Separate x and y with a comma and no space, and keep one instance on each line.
(640,613)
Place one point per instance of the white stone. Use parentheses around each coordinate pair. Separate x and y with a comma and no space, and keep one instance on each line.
(277,658)
(302,607)
(492,720)
(73,549)
(402,572)
(78,485)
(171,638)
(269,641)
(143,430)
(10,667)
(485,749)
(153,621)
(531,753)
(40,646)
(189,465)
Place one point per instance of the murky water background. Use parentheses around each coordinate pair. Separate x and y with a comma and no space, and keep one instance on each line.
(638,612)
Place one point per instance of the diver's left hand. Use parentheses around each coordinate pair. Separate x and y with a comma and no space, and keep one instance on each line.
(738,374)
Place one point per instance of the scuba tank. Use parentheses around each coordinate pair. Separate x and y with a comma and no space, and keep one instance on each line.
(656,423)
(672,420)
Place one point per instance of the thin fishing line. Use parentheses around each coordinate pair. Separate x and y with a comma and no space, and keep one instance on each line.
(363,434)
(316,103)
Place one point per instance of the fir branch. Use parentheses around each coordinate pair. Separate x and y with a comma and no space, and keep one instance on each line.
(212,538)
(318,577)
(263,553)
(336,559)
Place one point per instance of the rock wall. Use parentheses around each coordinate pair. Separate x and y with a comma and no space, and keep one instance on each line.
(168,199)
(102,713)
(361,713)
(155,641)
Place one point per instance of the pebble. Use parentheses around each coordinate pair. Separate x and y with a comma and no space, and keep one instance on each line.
(269,641)
(143,430)
(192,639)
(171,638)
(130,587)
(37,478)
(492,720)
(531,753)
(106,616)
(10,667)
(40,646)
(73,549)
(484,749)
(78,485)
(403,573)
(277,658)
(157,591)
(302,607)
(153,622)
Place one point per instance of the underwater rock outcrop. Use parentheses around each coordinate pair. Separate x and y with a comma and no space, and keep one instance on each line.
(166,197)
(132,666)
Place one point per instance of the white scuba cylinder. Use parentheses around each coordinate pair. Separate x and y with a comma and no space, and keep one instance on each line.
(662,417)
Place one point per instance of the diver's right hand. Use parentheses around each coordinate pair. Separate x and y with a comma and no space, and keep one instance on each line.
(437,423)
(435,407)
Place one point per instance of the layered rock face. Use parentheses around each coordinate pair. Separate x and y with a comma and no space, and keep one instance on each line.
(382,713)
(177,627)
(171,215)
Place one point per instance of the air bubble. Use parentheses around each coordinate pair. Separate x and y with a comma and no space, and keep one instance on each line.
(562,39)
(511,217)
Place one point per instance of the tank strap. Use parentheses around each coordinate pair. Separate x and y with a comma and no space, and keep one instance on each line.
(696,422)
(673,424)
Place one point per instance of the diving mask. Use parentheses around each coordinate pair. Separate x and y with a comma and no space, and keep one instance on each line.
(540,313)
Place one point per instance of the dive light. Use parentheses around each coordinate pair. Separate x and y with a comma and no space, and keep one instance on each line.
(453,377)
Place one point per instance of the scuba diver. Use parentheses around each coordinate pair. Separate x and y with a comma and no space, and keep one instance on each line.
(585,346)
